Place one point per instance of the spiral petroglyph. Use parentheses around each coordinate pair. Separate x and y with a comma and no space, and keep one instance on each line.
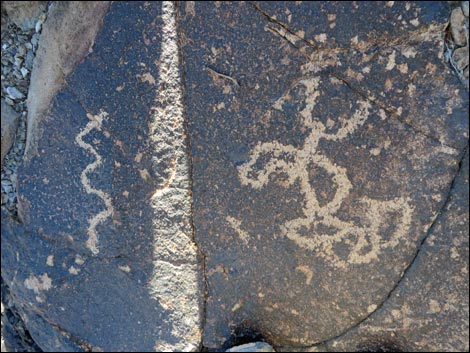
(364,242)
(94,123)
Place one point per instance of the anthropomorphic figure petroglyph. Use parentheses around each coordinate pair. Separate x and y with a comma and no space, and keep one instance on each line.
(364,242)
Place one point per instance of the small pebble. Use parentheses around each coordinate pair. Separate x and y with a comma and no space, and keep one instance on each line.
(35,40)
(24,72)
(29,60)
(14,93)
(38,26)
(6,188)
(40,21)
(22,51)
(18,61)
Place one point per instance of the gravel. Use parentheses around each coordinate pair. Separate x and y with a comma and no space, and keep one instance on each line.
(18,52)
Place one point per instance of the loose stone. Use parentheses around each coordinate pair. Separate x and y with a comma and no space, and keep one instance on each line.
(14,93)
(457,25)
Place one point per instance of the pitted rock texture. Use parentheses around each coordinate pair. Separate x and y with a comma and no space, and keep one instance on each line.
(320,156)
(104,257)
(429,310)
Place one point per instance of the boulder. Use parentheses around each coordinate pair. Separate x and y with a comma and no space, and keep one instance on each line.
(325,137)
(103,259)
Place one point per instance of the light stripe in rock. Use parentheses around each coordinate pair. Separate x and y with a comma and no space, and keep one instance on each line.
(174,281)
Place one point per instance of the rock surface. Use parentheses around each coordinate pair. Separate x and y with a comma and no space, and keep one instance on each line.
(9,125)
(24,14)
(104,257)
(67,39)
(428,311)
(321,205)
(320,157)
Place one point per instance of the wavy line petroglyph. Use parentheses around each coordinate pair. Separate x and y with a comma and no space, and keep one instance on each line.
(364,243)
(94,123)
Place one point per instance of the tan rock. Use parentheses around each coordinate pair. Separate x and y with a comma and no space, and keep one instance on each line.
(460,58)
(457,25)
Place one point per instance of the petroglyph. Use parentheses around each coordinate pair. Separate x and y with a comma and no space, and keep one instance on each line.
(307,272)
(38,284)
(235,224)
(363,242)
(94,123)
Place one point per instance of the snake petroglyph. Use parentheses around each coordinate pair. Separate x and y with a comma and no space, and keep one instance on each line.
(94,123)
(364,243)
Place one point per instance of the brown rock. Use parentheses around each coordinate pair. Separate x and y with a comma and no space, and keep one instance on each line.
(457,24)
(24,13)
(9,125)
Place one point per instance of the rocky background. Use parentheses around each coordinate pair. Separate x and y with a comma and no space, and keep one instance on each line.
(195,176)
